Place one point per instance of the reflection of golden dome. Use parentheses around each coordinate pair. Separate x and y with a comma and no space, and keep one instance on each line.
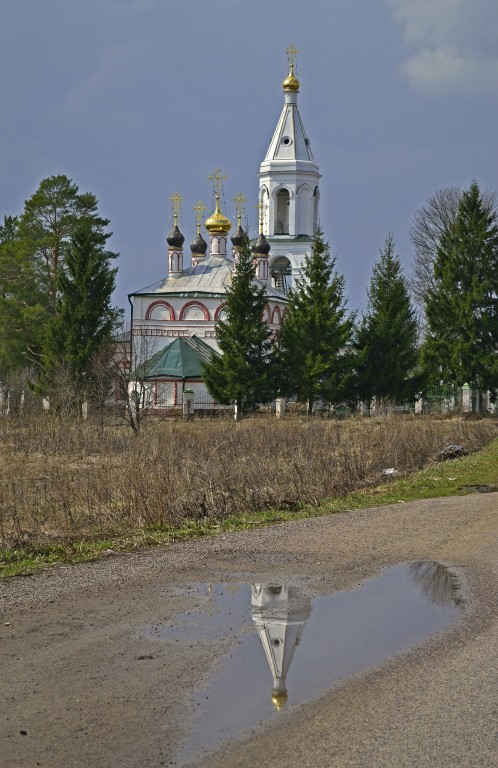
(279,699)
(218,224)
(291,83)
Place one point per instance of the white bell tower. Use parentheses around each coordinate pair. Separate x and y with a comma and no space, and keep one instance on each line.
(289,188)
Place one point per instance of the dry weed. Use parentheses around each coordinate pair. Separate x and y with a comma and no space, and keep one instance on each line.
(69,480)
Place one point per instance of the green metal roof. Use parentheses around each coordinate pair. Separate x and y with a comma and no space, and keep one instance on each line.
(180,360)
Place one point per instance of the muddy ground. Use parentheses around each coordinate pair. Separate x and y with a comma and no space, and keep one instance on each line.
(81,687)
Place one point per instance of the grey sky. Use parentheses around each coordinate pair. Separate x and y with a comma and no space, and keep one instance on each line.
(136,99)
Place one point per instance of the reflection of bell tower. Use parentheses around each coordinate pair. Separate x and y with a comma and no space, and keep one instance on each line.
(280,614)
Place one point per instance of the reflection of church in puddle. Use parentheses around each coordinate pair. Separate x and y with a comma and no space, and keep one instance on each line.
(280,613)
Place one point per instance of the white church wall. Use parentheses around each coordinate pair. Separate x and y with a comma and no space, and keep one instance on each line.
(305,215)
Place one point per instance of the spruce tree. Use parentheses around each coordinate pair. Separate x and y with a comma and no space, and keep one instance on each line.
(462,308)
(243,373)
(314,357)
(85,318)
(386,342)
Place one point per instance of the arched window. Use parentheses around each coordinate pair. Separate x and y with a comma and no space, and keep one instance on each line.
(194,310)
(282,212)
(277,316)
(220,313)
(160,310)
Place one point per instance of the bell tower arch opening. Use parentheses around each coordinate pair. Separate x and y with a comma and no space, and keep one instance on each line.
(282,199)
(281,274)
(316,209)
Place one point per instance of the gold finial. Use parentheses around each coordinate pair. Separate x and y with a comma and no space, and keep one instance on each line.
(176,200)
(199,209)
(261,209)
(279,699)
(240,202)
(218,222)
(291,83)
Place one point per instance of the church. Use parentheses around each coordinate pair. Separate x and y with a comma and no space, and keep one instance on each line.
(173,320)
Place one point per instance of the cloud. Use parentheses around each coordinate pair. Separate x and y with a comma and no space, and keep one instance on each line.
(454,45)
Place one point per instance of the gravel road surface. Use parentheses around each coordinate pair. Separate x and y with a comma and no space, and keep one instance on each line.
(81,687)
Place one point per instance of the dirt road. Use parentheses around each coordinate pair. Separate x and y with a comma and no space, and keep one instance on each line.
(82,687)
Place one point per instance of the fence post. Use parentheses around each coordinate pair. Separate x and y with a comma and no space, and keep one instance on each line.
(188,404)
(466,399)
(280,407)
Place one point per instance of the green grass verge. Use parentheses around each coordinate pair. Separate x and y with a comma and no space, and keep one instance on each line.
(450,478)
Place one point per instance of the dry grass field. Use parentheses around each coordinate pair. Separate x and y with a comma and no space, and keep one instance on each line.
(67,481)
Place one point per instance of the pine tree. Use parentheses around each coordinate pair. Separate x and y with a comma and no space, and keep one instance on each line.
(243,373)
(462,308)
(84,319)
(386,340)
(314,360)
(50,218)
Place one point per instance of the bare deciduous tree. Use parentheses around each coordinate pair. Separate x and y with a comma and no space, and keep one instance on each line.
(131,381)
(437,215)
(429,223)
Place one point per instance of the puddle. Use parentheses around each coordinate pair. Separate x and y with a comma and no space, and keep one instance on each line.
(288,648)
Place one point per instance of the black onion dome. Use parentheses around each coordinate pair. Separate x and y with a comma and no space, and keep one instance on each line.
(175,238)
(198,245)
(239,238)
(261,246)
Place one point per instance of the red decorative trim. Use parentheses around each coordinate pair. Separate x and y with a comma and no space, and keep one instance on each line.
(219,310)
(194,304)
(155,304)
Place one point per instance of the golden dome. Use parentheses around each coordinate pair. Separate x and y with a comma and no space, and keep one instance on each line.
(279,699)
(218,224)
(291,83)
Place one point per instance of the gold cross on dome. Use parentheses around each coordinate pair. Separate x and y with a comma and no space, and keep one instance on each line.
(176,200)
(261,209)
(199,209)
(217,180)
(292,52)
(240,202)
